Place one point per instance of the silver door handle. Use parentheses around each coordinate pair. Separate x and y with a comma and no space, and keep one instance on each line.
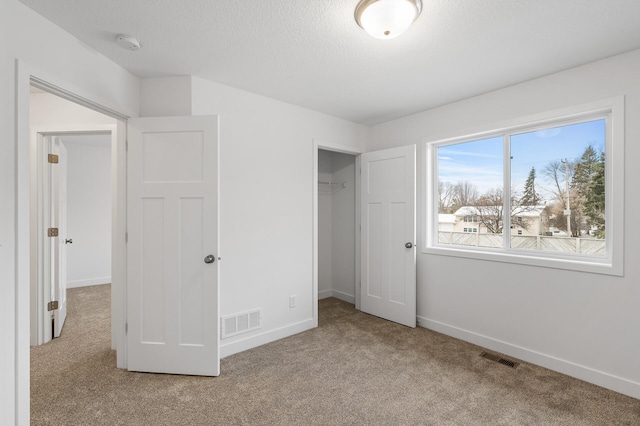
(408,245)
(210,259)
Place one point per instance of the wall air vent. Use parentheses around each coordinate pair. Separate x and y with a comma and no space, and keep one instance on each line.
(499,359)
(243,322)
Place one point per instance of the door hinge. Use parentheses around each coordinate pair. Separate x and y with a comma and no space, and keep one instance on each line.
(126,327)
(52,306)
(52,232)
(126,237)
(126,145)
(52,158)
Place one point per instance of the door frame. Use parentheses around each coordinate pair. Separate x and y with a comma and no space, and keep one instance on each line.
(327,146)
(38,215)
(27,75)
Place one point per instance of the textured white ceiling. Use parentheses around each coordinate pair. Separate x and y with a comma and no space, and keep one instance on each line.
(312,53)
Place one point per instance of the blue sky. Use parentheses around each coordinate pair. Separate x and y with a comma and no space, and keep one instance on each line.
(480,161)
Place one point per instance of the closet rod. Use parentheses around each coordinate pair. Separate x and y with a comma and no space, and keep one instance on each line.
(333,186)
(343,184)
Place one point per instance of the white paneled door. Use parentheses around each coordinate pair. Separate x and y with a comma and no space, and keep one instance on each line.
(388,236)
(172,248)
(59,244)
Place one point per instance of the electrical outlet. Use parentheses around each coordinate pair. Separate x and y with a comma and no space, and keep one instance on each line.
(292,301)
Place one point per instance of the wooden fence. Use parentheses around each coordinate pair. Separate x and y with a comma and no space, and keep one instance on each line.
(539,242)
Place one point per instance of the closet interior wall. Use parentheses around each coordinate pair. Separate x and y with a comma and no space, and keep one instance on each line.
(336,225)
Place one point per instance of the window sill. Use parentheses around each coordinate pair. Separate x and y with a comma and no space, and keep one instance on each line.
(594,265)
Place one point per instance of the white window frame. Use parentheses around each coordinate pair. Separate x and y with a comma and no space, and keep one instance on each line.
(613,262)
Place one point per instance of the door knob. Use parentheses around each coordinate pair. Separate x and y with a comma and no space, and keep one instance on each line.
(408,245)
(209,259)
(68,241)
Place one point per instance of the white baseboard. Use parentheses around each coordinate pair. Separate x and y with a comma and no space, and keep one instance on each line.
(324,294)
(349,298)
(600,378)
(88,282)
(256,340)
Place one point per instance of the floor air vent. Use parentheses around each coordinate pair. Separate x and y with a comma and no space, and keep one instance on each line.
(232,325)
(499,359)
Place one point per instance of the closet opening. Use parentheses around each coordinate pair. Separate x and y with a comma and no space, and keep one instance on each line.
(337,210)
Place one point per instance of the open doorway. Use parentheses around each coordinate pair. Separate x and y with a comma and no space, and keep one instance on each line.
(88,208)
(337,213)
(87,138)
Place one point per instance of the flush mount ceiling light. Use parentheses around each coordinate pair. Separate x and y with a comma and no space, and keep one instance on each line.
(387,18)
(128,42)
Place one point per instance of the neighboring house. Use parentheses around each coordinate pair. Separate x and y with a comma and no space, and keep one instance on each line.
(525,220)
(446,222)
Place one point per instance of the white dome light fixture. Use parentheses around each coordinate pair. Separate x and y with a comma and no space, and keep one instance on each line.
(387,18)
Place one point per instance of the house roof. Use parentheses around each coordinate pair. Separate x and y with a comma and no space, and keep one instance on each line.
(522,211)
(446,218)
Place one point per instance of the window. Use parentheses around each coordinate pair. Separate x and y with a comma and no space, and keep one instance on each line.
(561,175)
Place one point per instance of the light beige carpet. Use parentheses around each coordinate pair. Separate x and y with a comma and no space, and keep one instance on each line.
(354,369)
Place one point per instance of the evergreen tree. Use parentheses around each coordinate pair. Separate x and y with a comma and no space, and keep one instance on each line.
(594,204)
(588,185)
(530,197)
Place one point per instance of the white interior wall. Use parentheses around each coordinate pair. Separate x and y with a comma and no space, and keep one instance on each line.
(343,230)
(165,96)
(582,324)
(50,112)
(266,202)
(266,199)
(88,210)
(31,44)
(325,230)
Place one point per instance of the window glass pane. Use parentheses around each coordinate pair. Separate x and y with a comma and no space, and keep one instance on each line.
(470,180)
(557,189)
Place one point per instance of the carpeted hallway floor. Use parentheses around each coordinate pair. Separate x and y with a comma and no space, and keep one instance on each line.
(354,369)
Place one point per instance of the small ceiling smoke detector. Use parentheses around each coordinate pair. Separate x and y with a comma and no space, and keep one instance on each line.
(128,42)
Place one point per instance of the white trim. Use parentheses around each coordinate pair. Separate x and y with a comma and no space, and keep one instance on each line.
(334,147)
(88,282)
(317,145)
(600,378)
(358,246)
(314,233)
(613,263)
(65,94)
(260,339)
(24,73)
(23,246)
(39,196)
(118,243)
